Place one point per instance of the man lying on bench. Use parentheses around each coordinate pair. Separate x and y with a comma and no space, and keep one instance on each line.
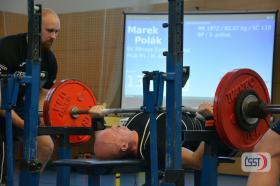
(132,139)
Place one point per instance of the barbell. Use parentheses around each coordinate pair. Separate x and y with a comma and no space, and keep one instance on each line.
(241,108)
(68,102)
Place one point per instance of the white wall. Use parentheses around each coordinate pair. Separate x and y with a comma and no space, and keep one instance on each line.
(65,6)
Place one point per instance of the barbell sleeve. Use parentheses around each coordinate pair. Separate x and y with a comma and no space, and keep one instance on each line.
(259,109)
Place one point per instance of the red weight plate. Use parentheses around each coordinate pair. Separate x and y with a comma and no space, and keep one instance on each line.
(228,90)
(61,99)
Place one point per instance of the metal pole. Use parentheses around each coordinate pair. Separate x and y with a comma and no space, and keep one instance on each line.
(9,147)
(30,170)
(7,86)
(174,70)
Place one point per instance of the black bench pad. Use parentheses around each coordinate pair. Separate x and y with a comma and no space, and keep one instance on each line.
(100,167)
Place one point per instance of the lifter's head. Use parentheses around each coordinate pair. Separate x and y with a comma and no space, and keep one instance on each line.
(50,27)
(114,143)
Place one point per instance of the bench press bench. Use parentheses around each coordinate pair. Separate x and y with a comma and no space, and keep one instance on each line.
(94,168)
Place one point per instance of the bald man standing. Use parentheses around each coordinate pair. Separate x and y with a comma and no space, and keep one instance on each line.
(13,54)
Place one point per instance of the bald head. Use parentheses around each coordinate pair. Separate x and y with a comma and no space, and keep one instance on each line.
(113,143)
(50,27)
(48,11)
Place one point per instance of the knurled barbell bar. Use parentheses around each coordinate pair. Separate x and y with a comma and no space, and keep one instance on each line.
(75,112)
(241,108)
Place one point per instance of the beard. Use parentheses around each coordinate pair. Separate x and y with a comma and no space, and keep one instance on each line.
(47,44)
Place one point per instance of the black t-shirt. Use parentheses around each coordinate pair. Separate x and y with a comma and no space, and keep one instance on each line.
(140,123)
(13,54)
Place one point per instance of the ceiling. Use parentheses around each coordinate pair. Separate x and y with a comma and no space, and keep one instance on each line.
(67,6)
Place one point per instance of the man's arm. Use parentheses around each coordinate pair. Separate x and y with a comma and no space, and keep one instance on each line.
(16,119)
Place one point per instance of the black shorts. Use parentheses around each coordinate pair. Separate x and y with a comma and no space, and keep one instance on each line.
(276,127)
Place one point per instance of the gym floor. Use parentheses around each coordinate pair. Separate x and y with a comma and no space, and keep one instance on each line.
(48,178)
